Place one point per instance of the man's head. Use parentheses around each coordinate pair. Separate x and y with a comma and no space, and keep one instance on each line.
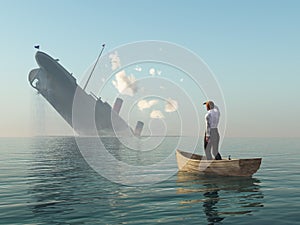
(209,105)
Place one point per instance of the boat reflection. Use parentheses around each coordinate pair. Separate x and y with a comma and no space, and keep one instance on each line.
(220,197)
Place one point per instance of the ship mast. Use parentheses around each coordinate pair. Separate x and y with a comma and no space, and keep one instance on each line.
(88,80)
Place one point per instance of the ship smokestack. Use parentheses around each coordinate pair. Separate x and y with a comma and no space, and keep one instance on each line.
(138,128)
(118,105)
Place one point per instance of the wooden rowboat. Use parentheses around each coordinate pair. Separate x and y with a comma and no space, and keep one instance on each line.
(188,162)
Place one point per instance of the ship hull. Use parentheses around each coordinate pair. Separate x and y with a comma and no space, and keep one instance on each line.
(86,114)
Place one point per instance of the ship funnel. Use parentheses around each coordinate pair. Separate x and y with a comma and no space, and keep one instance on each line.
(138,128)
(118,105)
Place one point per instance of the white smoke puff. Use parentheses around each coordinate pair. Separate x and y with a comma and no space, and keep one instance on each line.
(152,72)
(126,85)
(115,61)
(138,68)
(171,105)
(157,114)
(144,104)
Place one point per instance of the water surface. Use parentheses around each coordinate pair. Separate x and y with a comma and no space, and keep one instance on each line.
(47,181)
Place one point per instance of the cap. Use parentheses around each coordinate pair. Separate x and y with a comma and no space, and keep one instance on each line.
(210,103)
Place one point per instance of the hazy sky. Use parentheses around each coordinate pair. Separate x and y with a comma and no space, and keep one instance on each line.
(251,46)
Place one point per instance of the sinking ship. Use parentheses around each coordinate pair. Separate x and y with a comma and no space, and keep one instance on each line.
(87,114)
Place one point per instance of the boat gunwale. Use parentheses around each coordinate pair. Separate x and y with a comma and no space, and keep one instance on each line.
(212,160)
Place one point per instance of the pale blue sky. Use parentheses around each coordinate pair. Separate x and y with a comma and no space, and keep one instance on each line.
(251,46)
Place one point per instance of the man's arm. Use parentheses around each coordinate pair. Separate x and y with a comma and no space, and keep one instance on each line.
(207,132)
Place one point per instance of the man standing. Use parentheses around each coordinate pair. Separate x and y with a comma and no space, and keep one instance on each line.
(212,137)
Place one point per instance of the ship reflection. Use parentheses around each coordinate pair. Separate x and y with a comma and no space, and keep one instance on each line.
(220,197)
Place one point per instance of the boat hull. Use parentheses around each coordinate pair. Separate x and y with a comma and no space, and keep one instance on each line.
(193,163)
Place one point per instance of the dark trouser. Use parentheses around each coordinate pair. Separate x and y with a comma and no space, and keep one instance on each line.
(213,143)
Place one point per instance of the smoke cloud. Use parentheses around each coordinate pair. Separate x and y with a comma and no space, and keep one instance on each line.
(144,104)
(126,85)
(115,61)
(157,114)
(152,71)
(171,105)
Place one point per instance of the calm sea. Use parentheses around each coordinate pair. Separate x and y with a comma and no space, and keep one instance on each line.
(47,181)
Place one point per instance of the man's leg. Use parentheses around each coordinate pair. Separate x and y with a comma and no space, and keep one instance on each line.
(215,144)
(207,148)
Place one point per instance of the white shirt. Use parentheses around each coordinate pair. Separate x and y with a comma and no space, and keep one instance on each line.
(212,119)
